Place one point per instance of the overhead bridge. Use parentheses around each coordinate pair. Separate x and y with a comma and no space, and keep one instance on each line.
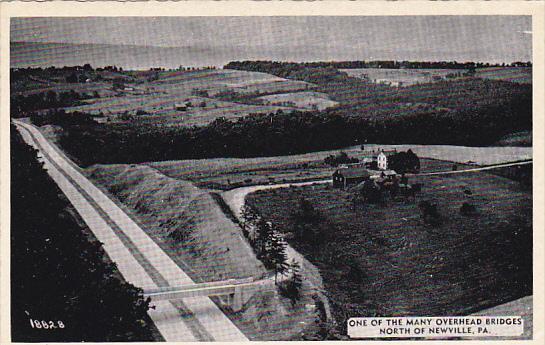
(236,291)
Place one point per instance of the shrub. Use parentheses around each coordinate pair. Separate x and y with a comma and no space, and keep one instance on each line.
(429,213)
(371,192)
(341,158)
(468,209)
(417,187)
(354,273)
(291,287)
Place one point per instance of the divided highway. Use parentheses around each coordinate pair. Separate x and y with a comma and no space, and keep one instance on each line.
(140,260)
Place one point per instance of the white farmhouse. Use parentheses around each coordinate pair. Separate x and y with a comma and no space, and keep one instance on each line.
(382,161)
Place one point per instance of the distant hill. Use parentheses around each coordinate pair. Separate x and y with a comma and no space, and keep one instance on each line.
(38,54)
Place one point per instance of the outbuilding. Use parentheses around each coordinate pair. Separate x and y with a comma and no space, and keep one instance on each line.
(350,175)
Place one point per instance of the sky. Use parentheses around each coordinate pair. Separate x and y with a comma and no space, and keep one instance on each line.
(309,38)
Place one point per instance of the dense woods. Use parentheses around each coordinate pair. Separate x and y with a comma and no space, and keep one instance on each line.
(60,273)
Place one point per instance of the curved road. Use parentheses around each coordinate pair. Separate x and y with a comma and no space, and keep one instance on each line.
(140,260)
(235,199)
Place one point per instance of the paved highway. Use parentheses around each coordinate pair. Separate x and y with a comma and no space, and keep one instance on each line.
(140,260)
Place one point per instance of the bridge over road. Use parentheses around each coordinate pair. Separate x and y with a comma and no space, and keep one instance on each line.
(139,259)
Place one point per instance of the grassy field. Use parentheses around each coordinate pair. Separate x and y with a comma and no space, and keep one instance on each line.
(383,260)
(522,138)
(522,75)
(229,173)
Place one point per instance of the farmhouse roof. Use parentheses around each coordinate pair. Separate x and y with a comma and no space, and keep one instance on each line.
(354,172)
(389,172)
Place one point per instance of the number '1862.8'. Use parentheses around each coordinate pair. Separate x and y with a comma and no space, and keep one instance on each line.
(43,324)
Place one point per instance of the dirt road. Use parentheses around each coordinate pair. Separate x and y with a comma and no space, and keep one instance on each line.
(235,199)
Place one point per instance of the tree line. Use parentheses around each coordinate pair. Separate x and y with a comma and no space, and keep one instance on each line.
(22,105)
(393,64)
(270,247)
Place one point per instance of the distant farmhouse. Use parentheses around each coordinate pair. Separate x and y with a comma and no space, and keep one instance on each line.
(382,159)
(374,167)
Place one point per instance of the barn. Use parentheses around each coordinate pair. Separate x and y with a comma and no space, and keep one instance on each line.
(350,175)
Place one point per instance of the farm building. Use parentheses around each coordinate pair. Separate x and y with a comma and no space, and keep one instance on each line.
(350,175)
(181,107)
(385,176)
(382,159)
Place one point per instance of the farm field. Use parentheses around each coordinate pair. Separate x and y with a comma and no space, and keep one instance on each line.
(229,173)
(400,77)
(158,109)
(175,98)
(214,81)
(306,100)
(407,77)
(382,260)
(522,75)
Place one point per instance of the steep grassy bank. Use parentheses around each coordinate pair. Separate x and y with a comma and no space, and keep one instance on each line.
(184,219)
(191,227)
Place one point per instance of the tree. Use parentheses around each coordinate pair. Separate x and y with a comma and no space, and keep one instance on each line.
(249,219)
(404,179)
(51,98)
(429,213)
(278,255)
(403,162)
(292,288)
(264,234)
(72,78)
(355,272)
(341,158)
(307,223)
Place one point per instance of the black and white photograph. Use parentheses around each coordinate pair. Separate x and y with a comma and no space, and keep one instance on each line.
(181,178)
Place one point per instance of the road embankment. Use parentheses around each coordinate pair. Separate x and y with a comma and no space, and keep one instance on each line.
(190,226)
